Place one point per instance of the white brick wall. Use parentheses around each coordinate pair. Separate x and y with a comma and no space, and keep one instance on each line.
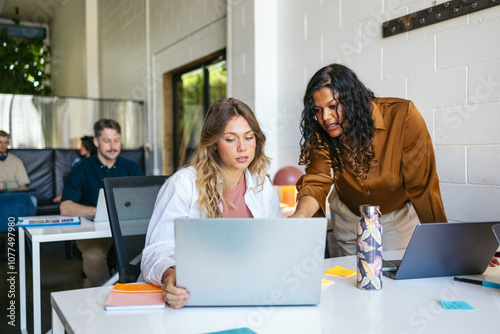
(484,83)
(464,202)
(451,165)
(122,49)
(439,88)
(356,11)
(482,165)
(174,20)
(469,44)
(468,125)
(409,58)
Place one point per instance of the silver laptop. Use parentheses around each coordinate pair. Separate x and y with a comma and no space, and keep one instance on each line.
(445,249)
(245,261)
(101,212)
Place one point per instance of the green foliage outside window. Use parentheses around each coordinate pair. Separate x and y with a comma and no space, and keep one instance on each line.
(193,89)
(22,65)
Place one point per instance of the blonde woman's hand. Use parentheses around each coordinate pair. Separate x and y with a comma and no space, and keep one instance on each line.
(174,297)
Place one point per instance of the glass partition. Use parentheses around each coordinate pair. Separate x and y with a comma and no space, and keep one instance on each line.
(60,122)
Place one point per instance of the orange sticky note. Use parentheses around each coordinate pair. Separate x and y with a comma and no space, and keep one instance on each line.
(340,271)
(323,281)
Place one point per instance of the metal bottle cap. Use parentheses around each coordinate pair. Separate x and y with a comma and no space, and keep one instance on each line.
(368,209)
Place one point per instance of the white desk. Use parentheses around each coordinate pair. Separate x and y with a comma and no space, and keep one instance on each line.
(408,306)
(37,235)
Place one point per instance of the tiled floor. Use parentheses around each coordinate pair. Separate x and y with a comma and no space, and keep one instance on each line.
(57,274)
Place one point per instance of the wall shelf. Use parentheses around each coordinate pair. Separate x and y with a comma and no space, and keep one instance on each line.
(438,13)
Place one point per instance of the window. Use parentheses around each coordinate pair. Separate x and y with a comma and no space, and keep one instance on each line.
(194,90)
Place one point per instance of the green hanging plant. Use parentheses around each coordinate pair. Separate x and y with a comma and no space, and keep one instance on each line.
(23,64)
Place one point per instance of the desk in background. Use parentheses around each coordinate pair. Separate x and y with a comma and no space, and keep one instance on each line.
(407,306)
(14,203)
(36,236)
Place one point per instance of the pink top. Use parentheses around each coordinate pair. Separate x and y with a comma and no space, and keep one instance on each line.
(236,196)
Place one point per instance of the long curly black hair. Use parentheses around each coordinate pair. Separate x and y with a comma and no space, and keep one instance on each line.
(352,151)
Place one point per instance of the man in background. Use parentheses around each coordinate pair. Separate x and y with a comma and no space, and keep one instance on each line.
(87,148)
(12,170)
(81,190)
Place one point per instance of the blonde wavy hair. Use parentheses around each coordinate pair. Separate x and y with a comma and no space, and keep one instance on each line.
(212,179)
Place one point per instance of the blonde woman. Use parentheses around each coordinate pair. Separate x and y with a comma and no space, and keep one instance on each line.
(226,178)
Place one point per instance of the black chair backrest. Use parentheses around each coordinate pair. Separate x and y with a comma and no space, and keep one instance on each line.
(130,201)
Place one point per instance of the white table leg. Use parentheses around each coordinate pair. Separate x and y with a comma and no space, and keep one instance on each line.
(22,280)
(57,326)
(37,321)
(112,280)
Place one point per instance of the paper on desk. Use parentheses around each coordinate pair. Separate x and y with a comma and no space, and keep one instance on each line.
(243,330)
(46,221)
(455,305)
(340,271)
(133,296)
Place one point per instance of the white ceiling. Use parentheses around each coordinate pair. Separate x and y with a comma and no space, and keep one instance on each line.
(29,10)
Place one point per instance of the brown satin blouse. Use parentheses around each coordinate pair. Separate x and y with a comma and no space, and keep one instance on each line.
(406,168)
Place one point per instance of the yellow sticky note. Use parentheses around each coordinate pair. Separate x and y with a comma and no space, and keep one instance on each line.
(340,271)
(326,281)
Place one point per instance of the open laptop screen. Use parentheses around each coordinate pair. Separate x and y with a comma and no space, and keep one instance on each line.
(447,249)
(101,212)
(250,261)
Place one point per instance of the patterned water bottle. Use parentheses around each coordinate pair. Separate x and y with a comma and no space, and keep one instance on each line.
(369,248)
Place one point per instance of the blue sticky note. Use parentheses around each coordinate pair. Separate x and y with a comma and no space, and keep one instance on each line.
(243,330)
(455,305)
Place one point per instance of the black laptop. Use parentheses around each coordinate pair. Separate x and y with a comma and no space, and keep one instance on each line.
(445,249)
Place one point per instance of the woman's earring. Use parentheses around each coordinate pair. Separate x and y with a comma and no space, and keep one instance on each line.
(315,118)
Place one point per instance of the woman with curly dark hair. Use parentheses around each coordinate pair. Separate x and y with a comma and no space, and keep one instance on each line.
(373,151)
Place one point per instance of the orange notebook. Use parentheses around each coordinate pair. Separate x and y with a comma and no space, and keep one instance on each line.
(135,297)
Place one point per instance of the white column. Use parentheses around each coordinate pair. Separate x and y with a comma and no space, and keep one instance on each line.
(229,48)
(266,68)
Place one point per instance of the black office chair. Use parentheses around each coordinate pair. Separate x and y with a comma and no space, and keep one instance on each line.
(130,201)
